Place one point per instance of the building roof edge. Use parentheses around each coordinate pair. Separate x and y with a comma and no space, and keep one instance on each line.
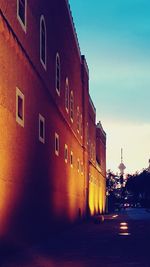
(73,27)
(99,126)
(92,104)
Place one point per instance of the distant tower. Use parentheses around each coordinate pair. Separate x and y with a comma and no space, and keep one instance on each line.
(121,167)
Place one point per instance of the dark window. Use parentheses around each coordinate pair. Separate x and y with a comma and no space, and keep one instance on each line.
(41,129)
(20,107)
(67,95)
(66,153)
(43,41)
(56,144)
(21,10)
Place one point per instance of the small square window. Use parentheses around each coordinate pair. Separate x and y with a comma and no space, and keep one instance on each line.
(71,159)
(19,107)
(41,129)
(56,144)
(21,12)
(66,153)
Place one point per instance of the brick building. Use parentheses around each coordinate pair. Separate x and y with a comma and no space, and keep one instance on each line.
(52,154)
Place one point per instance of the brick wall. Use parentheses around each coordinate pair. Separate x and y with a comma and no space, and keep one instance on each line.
(38,188)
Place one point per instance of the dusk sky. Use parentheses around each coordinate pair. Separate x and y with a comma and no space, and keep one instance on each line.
(115,38)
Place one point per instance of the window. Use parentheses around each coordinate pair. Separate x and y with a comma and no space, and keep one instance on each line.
(57,74)
(67,95)
(71,159)
(71,106)
(78,120)
(21,12)
(41,129)
(56,144)
(43,41)
(19,107)
(66,153)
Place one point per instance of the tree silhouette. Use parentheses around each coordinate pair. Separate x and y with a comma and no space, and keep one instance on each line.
(139,185)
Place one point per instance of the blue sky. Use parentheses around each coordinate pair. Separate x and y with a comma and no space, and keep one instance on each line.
(115,38)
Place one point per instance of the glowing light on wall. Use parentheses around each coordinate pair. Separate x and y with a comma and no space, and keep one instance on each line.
(100,199)
(91,198)
(5,165)
(96,192)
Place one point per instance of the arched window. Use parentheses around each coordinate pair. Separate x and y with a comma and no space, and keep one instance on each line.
(43,41)
(57,74)
(71,106)
(22,13)
(67,95)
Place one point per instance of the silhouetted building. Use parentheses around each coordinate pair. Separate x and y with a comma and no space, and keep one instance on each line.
(52,166)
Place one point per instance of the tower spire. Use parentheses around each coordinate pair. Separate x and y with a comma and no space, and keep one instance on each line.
(122,167)
(121,155)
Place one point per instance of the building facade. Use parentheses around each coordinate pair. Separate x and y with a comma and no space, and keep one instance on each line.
(52,154)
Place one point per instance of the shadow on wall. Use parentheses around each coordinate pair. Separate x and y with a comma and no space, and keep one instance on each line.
(35,207)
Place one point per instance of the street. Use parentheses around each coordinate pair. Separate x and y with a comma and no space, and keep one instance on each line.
(121,240)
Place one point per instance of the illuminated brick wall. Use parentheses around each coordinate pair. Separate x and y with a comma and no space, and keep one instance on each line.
(45,162)
(97,163)
(101,147)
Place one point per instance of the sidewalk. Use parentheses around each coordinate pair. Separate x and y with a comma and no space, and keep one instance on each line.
(71,248)
(96,243)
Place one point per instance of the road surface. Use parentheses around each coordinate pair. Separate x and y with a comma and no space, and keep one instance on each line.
(121,240)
